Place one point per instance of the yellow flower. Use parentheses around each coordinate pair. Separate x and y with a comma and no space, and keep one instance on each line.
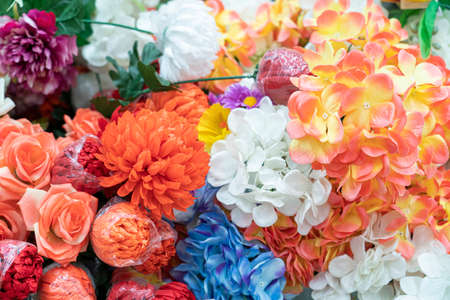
(213,125)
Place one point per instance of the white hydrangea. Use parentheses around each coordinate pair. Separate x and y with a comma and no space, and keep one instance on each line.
(187,36)
(327,287)
(246,9)
(114,41)
(368,272)
(428,275)
(6,104)
(257,176)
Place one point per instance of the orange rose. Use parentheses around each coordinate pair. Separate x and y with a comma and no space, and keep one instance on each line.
(61,219)
(12,226)
(85,121)
(8,125)
(27,162)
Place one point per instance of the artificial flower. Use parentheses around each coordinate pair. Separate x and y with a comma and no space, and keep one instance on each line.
(212,126)
(61,219)
(76,164)
(6,104)
(64,282)
(204,201)
(237,95)
(165,160)
(187,36)
(86,121)
(174,291)
(131,289)
(12,225)
(27,162)
(428,269)
(21,126)
(218,263)
(123,235)
(113,41)
(369,270)
(159,257)
(256,175)
(23,45)
(22,269)
(275,71)
(189,101)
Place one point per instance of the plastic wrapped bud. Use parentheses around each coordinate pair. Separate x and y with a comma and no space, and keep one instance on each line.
(78,165)
(122,235)
(275,71)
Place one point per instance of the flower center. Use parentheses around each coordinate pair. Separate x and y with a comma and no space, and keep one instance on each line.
(366,105)
(250,101)
(325,116)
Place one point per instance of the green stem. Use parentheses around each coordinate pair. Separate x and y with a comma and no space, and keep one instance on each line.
(117,25)
(216,78)
(16,11)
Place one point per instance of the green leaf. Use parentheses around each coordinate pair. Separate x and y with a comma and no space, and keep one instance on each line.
(150,53)
(426,26)
(153,80)
(445,4)
(106,106)
(403,14)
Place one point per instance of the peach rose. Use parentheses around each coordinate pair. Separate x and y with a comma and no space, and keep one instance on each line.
(63,142)
(61,219)
(8,125)
(27,160)
(85,121)
(12,225)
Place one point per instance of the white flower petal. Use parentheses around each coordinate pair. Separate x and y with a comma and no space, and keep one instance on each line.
(240,218)
(290,206)
(223,168)
(318,282)
(357,245)
(341,266)
(320,191)
(430,265)
(264,215)
(239,183)
(256,160)
(275,163)
(225,197)
(411,285)
(320,216)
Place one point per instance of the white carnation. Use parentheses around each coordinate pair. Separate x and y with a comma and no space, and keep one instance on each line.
(187,36)
(6,104)
(257,176)
(107,40)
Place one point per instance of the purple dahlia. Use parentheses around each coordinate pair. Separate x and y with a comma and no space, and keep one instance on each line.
(236,96)
(32,54)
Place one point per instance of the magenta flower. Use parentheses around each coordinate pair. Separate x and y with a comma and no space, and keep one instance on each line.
(31,53)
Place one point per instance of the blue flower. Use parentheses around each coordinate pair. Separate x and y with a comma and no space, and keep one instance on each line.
(204,201)
(219,263)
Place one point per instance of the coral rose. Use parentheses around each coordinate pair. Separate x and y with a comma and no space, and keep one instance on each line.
(12,226)
(189,102)
(156,157)
(8,125)
(61,219)
(86,121)
(27,162)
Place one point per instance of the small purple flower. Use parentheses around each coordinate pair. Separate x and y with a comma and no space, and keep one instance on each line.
(236,96)
(31,53)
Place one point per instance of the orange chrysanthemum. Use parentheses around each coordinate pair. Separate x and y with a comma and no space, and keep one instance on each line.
(189,102)
(156,157)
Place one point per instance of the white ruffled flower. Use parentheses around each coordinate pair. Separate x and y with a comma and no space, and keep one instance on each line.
(187,36)
(327,287)
(368,271)
(428,270)
(6,104)
(246,9)
(257,176)
(114,41)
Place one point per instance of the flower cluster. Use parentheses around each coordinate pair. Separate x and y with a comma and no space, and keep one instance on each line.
(258,179)
(218,263)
